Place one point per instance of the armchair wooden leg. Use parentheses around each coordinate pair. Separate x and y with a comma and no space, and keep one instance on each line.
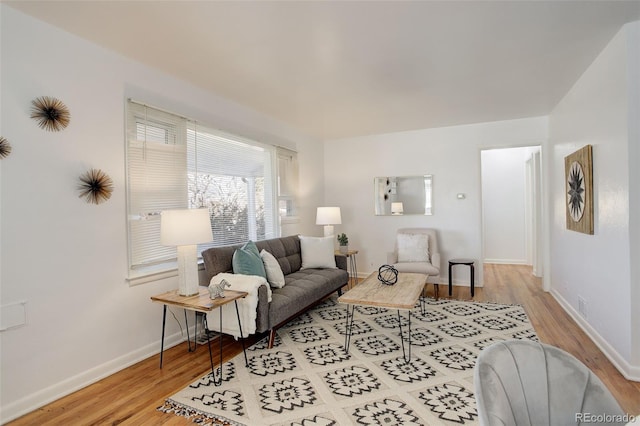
(436,289)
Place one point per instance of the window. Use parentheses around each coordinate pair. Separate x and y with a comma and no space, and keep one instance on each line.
(174,163)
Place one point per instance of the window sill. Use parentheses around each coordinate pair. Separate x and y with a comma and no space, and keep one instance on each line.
(155,273)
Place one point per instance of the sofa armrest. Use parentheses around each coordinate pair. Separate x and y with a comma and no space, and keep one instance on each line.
(262,311)
(341,262)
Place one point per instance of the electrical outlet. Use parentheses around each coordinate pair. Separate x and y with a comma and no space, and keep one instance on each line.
(582,307)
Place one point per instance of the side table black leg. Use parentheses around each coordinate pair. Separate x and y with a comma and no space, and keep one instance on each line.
(186,324)
(354,272)
(246,361)
(450,282)
(164,320)
(472,278)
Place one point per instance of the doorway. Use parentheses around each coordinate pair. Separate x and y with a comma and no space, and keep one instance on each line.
(511,183)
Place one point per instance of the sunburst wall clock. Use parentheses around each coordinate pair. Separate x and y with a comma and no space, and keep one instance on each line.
(578,173)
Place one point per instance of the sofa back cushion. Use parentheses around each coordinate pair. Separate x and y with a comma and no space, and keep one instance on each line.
(286,250)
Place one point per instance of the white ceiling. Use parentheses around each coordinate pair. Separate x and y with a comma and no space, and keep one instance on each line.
(339,69)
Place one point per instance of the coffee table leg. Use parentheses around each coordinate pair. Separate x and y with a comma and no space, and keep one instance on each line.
(347,329)
(404,356)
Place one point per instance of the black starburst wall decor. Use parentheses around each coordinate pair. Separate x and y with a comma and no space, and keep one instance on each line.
(50,113)
(579,188)
(95,186)
(5,147)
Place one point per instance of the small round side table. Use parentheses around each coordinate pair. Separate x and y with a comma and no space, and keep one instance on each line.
(470,263)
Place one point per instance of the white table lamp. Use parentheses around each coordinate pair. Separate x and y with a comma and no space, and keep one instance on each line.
(397,208)
(185,229)
(328,216)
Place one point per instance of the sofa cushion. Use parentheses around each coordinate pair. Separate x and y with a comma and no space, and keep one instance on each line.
(247,261)
(303,288)
(317,252)
(272,267)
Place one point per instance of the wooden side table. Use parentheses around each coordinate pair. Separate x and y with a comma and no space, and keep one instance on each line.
(470,263)
(353,265)
(203,303)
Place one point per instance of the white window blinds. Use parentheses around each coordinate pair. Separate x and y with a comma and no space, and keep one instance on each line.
(173,162)
(157,175)
(233,177)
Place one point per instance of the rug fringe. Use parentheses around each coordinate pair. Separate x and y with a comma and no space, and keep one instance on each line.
(196,416)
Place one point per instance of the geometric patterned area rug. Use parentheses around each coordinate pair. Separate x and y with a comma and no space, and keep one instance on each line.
(308,379)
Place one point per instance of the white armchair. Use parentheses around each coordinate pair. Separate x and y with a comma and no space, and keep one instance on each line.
(520,382)
(416,250)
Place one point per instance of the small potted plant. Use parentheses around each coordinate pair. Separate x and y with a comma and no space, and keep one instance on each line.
(343,240)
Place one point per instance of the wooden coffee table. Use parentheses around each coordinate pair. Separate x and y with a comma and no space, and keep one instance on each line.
(401,296)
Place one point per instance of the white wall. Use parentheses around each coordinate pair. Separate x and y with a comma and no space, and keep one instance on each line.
(633,80)
(451,154)
(597,111)
(504,205)
(66,258)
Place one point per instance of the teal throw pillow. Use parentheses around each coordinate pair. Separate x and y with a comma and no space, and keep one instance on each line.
(247,261)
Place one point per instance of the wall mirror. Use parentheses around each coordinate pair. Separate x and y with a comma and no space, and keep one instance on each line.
(403,195)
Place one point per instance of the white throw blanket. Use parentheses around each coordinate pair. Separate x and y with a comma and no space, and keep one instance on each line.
(247,306)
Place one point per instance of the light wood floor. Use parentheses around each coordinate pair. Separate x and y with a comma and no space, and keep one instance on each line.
(131,396)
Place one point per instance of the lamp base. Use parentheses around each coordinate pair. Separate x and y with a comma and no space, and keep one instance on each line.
(188,270)
(328,230)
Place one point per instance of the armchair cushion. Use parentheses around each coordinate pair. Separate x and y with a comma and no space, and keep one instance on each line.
(417,267)
(413,248)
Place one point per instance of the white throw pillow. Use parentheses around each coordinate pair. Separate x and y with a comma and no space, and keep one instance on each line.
(317,252)
(274,271)
(413,247)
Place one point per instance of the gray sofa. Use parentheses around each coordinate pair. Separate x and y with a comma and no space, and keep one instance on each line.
(303,288)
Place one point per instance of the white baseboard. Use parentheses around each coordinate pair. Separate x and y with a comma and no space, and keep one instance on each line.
(45,396)
(630,372)
(506,261)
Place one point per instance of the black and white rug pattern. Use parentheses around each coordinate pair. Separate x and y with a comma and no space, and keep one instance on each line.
(308,379)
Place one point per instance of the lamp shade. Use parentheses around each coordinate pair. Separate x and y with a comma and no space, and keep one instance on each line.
(185,227)
(397,208)
(328,216)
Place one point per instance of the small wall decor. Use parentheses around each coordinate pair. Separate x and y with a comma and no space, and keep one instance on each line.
(51,114)
(5,147)
(95,186)
(578,171)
